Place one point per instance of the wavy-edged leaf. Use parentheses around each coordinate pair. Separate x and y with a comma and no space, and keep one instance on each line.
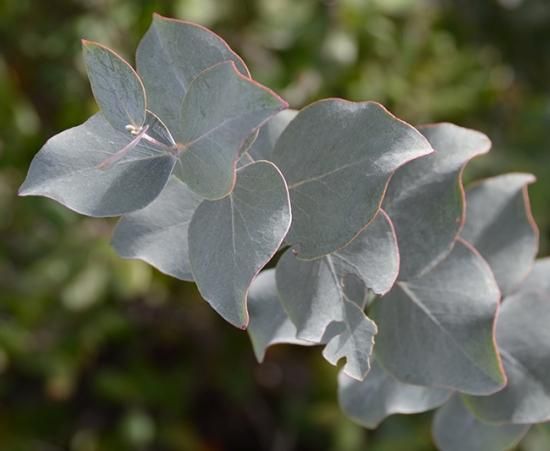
(501,227)
(67,169)
(170,55)
(437,330)
(262,149)
(117,88)
(337,157)
(231,239)
(380,395)
(351,337)
(456,429)
(425,198)
(221,109)
(311,290)
(269,323)
(157,234)
(523,337)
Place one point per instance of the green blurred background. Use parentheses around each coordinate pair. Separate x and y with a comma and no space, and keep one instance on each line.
(97,353)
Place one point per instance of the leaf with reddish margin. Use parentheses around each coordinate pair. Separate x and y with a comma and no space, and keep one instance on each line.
(337,157)
(157,234)
(523,337)
(425,198)
(455,428)
(262,149)
(170,55)
(269,323)
(500,225)
(380,395)
(230,240)
(437,330)
(117,88)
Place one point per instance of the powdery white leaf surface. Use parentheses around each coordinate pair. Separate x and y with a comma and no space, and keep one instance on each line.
(455,428)
(501,227)
(352,338)
(380,395)
(157,234)
(262,148)
(311,290)
(337,157)
(170,55)
(269,323)
(425,198)
(523,337)
(230,240)
(219,112)
(67,169)
(437,330)
(116,86)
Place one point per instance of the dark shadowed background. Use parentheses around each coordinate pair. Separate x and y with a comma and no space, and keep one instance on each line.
(97,353)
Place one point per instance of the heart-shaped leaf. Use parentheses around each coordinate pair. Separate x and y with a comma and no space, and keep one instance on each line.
(500,225)
(220,110)
(68,170)
(425,198)
(231,239)
(437,330)
(157,234)
(456,429)
(170,55)
(523,337)
(269,323)
(117,88)
(380,395)
(337,158)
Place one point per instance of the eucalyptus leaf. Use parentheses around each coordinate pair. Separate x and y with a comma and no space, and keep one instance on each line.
(67,169)
(220,110)
(230,240)
(117,88)
(523,337)
(455,428)
(269,323)
(263,146)
(170,55)
(501,227)
(380,395)
(437,330)
(337,157)
(157,234)
(351,338)
(425,198)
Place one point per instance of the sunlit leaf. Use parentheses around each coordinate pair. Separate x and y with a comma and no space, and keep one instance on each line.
(230,240)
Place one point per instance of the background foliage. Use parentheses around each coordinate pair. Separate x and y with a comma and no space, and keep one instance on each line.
(97,353)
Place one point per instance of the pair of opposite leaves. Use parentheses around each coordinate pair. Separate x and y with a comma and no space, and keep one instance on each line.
(124,157)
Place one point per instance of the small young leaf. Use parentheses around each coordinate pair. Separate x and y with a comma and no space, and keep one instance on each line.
(352,338)
(500,225)
(523,337)
(380,395)
(220,110)
(337,157)
(455,428)
(116,86)
(437,330)
(269,323)
(425,198)
(67,169)
(230,240)
(158,233)
(170,55)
